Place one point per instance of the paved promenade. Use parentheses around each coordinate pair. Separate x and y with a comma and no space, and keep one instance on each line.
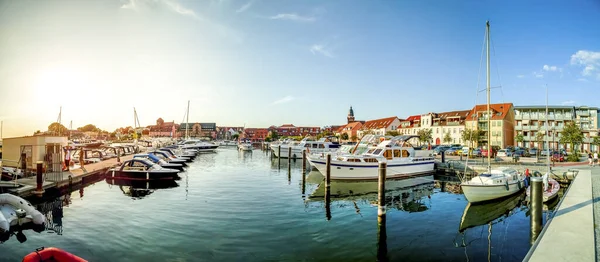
(570,234)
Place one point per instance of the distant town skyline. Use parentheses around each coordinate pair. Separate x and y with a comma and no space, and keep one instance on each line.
(261,63)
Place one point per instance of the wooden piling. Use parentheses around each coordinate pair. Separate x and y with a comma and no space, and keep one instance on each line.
(289,159)
(39,191)
(303,162)
(536,198)
(382,239)
(328,171)
(381,188)
(279,155)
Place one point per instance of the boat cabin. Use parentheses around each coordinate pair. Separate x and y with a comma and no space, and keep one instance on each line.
(138,164)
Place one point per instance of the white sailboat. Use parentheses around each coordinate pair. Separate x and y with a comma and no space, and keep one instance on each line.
(498,182)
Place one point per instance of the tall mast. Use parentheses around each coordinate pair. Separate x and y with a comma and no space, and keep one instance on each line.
(547,129)
(187,121)
(489,116)
(59,120)
(1,128)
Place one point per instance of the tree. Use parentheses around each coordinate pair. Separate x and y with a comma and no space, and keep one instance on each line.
(571,135)
(447,138)
(596,142)
(235,137)
(88,128)
(345,136)
(471,135)
(425,135)
(37,132)
(274,136)
(519,138)
(539,138)
(391,133)
(353,138)
(58,129)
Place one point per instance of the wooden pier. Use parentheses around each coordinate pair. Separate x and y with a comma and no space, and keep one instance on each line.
(27,186)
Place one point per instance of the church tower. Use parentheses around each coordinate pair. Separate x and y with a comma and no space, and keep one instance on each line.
(350,115)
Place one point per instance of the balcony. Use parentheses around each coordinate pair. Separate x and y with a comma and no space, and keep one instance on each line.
(453,123)
(518,117)
(518,128)
(583,113)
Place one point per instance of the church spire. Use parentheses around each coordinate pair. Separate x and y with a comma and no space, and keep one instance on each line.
(350,115)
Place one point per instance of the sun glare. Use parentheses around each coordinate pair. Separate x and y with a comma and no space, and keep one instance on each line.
(61,85)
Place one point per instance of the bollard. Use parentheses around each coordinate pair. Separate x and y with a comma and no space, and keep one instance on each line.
(381,191)
(303,162)
(23,162)
(289,159)
(327,204)
(328,171)
(39,191)
(536,199)
(443,156)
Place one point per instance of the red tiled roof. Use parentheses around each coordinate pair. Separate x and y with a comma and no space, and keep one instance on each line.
(499,111)
(379,123)
(414,118)
(287,126)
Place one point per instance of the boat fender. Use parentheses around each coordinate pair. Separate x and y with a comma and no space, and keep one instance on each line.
(506,184)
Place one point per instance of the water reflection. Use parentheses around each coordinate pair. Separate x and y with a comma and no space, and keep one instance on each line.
(487,214)
(403,194)
(137,189)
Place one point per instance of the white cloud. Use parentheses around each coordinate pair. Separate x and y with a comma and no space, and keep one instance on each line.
(283,100)
(590,60)
(520,76)
(293,17)
(321,49)
(582,80)
(244,7)
(569,102)
(538,75)
(551,68)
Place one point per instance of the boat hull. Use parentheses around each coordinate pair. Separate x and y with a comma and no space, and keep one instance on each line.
(297,152)
(483,193)
(367,171)
(133,175)
(550,194)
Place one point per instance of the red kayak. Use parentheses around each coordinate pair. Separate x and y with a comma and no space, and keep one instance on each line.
(51,254)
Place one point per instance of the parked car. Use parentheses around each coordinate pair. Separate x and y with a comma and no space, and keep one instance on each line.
(465,151)
(484,152)
(533,151)
(476,152)
(503,152)
(438,150)
(545,152)
(521,153)
(557,157)
(450,151)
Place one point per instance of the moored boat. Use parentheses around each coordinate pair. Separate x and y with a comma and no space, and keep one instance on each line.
(403,160)
(51,254)
(481,214)
(157,160)
(141,169)
(548,193)
(307,144)
(16,212)
(496,183)
(245,146)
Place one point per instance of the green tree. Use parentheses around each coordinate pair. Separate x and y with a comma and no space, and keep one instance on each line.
(354,138)
(596,142)
(37,132)
(572,135)
(425,135)
(471,135)
(345,136)
(391,133)
(539,138)
(235,136)
(58,129)
(447,138)
(274,136)
(88,128)
(519,139)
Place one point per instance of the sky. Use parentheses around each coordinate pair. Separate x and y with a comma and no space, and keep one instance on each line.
(258,63)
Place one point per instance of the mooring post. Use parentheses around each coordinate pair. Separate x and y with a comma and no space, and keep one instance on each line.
(39,190)
(536,195)
(289,159)
(303,163)
(279,155)
(381,190)
(328,171)
(23,163)
(443,156)
(381,239)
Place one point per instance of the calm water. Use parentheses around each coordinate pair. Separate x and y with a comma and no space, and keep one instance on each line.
(235,206)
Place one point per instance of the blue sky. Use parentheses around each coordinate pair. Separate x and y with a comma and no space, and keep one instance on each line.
(262,63)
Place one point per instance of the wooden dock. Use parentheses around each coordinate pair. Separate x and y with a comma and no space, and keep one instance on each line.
(26,186)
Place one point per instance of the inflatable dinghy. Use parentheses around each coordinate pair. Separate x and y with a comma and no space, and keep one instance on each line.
(51,254)
(16,211)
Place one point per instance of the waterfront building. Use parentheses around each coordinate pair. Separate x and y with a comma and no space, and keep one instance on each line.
(291,130)
(255,134)
(443,124)
(379,126)
(227,132)
(350,129)
(502,124)
(206,130)
(162,128)
(530,123)
(410,125)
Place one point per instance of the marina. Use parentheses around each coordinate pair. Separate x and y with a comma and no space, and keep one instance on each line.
(232,194)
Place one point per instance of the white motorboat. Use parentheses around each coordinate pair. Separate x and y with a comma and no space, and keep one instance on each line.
(227,143)
(367,142)
(323,145)
(198,145)
(17,212)
(550,190)
(498,182)
(403,160)
(245,146)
